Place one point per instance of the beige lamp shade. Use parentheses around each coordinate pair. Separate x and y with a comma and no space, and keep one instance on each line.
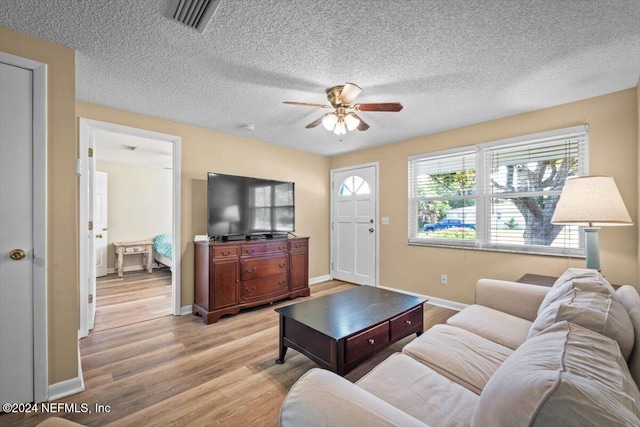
(591,201)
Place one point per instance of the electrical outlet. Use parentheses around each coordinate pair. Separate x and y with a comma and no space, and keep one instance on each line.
(443,279)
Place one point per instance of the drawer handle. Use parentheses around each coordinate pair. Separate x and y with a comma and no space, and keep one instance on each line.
(372,341)
(227,253)
(282,265)
(251,289)
(408,322)
(251,270)
(248,251)
(281,283)
(282,248)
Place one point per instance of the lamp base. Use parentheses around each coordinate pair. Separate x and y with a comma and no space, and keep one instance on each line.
(592,247)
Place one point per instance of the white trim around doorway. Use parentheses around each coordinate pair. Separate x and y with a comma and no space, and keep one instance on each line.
(87,127)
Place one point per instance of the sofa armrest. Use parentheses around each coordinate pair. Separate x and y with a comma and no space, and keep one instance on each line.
(322,398)
(518,299)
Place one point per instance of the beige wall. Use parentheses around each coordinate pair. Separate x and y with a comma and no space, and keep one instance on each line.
(62,212)
(205,151)
(638,162)
(613,151)
(139,205)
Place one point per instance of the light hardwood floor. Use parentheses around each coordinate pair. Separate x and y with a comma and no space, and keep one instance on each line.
(178,371)
(136,297)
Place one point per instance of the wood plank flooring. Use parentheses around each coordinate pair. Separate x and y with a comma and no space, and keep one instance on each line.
(178,371)
(136,297)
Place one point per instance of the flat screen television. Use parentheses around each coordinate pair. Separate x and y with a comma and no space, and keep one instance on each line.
(246,207)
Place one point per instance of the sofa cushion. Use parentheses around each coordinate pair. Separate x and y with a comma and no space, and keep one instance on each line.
(322,398)
(592,310)
(584,279)
(420,392)
(463,357)
(630,300)
(567,375)
(502,328)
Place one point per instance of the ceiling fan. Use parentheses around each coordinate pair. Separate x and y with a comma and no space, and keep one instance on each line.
(343,118)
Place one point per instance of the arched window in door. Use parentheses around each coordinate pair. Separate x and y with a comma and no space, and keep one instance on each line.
(354,185)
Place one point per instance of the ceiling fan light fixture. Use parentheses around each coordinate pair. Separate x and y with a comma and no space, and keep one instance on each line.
(351,121)
(340,128)
(329,121)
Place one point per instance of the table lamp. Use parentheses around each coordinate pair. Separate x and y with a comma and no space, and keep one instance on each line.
(593,202)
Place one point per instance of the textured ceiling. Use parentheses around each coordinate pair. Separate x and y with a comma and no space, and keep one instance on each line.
(450,62)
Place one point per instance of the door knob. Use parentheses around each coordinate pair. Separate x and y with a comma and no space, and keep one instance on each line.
(17,254)
(98,236)
(371,230)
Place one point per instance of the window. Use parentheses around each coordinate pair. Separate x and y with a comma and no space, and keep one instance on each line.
(499,195)
(354,185)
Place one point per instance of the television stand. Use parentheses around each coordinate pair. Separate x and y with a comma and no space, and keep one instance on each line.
(230,276)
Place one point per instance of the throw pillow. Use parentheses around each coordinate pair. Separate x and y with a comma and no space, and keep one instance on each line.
(584,279)
(592,310)
(566,376)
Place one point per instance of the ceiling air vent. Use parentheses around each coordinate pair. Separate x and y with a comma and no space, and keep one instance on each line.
(193,13)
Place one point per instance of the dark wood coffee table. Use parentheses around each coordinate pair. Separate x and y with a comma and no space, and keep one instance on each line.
(340,330)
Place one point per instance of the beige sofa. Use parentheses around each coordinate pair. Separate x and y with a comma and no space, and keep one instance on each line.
(522,355)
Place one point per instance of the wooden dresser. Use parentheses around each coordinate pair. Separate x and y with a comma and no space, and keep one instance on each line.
(230,276)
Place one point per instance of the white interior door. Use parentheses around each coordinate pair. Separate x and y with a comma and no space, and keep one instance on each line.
(16,235)
(354,225)
(100,205)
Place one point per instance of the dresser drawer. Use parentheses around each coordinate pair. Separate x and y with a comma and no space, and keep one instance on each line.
(226,252)
(366,342)
(136,249)
(256,249)
(259,288)
(263,267)
(298,245)
(406,323)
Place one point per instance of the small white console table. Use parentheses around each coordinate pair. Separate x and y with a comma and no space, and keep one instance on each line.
(143,247)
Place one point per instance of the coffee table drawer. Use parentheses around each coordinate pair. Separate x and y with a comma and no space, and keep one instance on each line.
(366,342)
(406,323)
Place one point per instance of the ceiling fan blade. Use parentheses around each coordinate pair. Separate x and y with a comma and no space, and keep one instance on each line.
(362,125)
(382,106)
(315,122)
(349,93)
(307,104)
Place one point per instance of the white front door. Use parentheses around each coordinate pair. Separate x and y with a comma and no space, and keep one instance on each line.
(354,224)
(16,236)
(100,218)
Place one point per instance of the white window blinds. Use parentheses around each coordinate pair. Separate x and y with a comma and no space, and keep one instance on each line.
(499,195)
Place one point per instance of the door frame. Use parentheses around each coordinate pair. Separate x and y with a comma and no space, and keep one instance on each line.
(332,242)
(87,129)
(40,338)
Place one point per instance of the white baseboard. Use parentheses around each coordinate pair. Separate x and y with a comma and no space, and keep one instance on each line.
(187,309)
(319,279)
(68,387)
(451,305)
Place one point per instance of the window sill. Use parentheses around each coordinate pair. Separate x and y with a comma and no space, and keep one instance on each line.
(472,247)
